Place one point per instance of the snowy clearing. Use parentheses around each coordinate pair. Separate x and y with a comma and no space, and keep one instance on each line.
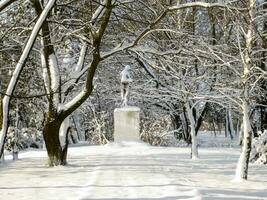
(131,171)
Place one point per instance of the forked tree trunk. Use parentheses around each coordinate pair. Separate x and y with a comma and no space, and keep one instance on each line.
(194,146)
(51,137)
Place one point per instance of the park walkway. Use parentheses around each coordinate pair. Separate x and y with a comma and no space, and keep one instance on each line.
(131,171)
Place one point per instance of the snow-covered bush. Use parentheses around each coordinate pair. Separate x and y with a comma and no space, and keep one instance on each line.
(23,139)
(98,128)
(259,149)
(154,131)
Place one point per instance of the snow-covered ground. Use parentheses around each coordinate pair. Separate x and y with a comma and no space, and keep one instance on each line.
(131,171)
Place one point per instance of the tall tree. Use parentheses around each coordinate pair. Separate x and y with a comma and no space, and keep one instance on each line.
(17,72)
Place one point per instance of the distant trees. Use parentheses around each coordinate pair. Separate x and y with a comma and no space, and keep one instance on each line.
(215,64)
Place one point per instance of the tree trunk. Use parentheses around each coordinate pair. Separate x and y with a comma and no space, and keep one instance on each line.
(226,125)
(241,134)
(186,135)
(230,124)
(242,166)
(237,128)
(214,127)
(194,146)
(52,143)
(263,118)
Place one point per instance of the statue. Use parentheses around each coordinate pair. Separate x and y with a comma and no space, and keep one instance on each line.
(125,81)
(126,118)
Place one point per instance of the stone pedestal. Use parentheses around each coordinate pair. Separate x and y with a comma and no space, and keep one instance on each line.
(126,124)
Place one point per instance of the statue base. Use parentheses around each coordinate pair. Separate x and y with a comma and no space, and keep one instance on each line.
(126,124)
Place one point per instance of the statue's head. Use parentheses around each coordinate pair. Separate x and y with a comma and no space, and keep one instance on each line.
(127,67)
(126,74)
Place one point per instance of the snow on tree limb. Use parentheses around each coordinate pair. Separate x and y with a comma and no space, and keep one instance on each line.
(54,72)
(150,28)
(80,62)
(69,107)
(5,3)
(99,12)
(77,73)
(18,69)
(205,5)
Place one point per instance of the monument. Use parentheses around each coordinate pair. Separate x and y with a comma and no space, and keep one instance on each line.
(126,118)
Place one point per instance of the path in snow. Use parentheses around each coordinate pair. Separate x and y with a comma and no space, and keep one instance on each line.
(131,171)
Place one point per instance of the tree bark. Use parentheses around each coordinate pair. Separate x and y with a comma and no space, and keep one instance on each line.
(52,143)
(230,123)
(194,145)
(242,166)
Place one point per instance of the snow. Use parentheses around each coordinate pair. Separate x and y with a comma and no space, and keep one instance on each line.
(54,71)
(63,131)
(130,170)
(45,76)
(128,108)
(68,105)
(99,11)
(259,148)
(80,63)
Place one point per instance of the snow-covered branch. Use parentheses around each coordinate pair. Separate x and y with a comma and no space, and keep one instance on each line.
(5,3)
(152,25)
(69,107)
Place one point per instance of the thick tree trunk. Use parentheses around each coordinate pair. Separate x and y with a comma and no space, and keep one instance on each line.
(52,143)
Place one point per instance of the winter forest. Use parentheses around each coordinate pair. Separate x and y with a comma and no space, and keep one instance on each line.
(198,73)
